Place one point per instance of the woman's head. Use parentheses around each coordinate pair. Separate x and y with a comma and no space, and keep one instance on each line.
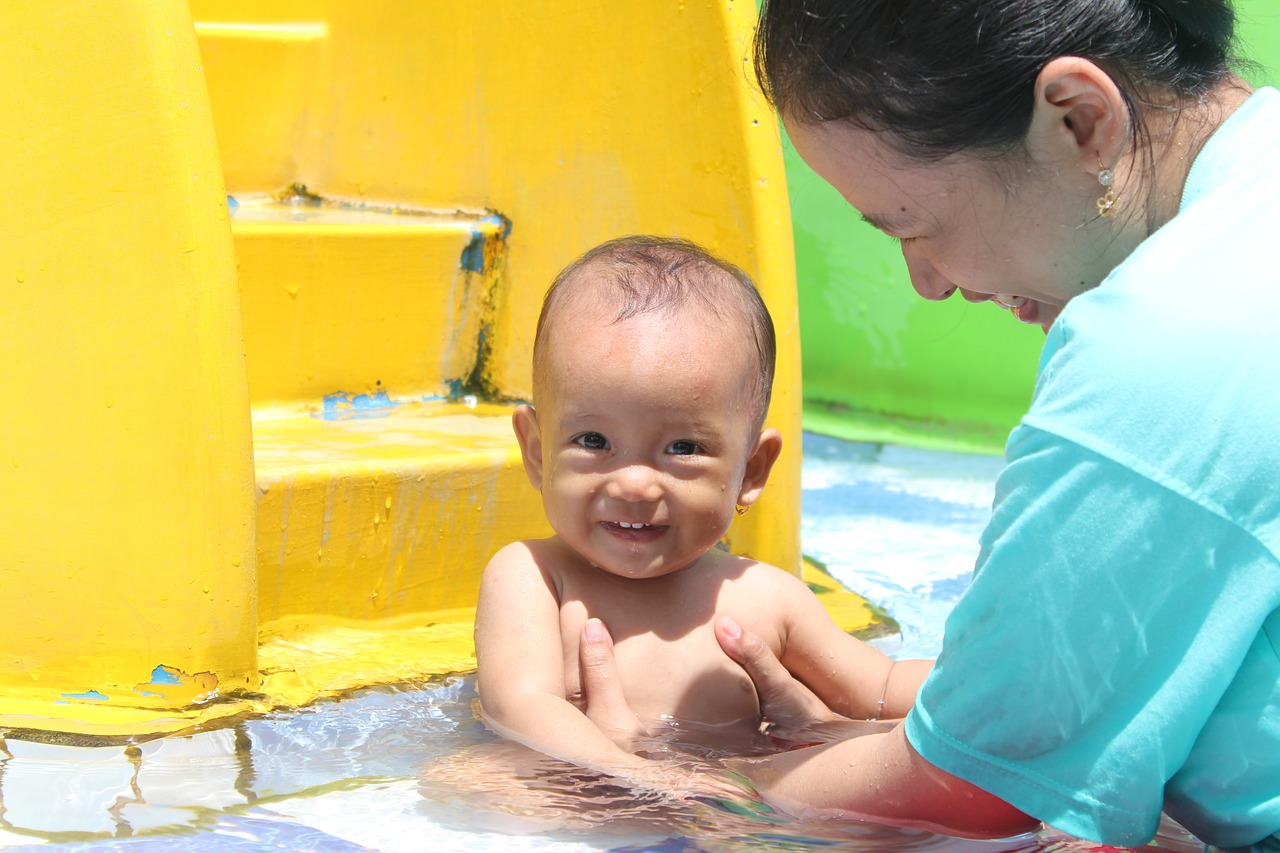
(942,77)
(977,131)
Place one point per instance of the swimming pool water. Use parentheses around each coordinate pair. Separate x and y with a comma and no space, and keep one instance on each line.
(403,769)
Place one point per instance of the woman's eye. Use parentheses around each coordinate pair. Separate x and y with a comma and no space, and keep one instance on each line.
(592,441)
(683,447)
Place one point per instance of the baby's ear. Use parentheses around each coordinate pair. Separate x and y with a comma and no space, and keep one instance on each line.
(759,463)
(525,422)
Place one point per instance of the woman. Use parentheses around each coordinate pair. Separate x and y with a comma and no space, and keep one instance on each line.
(1094,166)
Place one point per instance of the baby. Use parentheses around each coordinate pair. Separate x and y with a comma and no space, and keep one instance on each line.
(652,369)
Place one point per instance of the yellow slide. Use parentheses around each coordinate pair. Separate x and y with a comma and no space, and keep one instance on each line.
(257,445)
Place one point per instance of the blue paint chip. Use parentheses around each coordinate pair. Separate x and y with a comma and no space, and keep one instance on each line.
(91,695)
(163,675)
(499,219)
(343,406)
(473,255)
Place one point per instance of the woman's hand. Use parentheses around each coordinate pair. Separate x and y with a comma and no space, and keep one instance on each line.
(606,706)
(784,701)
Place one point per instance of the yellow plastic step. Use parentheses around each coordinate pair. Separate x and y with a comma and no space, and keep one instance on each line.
(369,508)
(262,94)
(357,299)
(384,485)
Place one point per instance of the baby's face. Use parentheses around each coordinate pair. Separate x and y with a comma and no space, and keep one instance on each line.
(646,428)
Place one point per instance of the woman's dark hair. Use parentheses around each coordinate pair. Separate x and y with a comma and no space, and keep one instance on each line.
(945,76)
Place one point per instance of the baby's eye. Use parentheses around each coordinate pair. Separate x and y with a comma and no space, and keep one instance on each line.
(592,441)
(683,447)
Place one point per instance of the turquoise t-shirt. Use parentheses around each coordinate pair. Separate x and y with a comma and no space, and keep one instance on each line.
(1119,649)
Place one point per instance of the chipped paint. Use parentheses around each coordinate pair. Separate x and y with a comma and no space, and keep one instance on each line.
(87,696)
(178,688)
(341,406)
(487,237)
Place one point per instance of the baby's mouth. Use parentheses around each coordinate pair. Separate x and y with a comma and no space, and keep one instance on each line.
(636,531)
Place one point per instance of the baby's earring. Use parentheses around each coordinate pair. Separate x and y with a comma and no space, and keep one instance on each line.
(1109,199)
(740,510)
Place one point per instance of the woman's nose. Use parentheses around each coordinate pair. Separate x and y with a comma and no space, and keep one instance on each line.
(925,277)
(634,483)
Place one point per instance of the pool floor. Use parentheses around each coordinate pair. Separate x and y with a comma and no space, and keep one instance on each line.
(896,524)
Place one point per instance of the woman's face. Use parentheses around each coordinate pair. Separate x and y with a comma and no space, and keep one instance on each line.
(962,226)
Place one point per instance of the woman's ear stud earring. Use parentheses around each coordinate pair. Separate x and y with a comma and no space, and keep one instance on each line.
(1107,203)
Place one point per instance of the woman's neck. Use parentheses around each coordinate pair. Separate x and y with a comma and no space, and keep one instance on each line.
(1176,140)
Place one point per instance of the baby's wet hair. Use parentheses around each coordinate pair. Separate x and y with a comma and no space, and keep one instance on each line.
(643,274)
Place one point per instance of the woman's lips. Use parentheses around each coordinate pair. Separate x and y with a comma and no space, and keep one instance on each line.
(1026,310)
(1039,314)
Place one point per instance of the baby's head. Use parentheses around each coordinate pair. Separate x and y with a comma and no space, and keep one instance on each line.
(668,277)
(653,363)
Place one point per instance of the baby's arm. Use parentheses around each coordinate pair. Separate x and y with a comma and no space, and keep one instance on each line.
(520,658)
(852,677)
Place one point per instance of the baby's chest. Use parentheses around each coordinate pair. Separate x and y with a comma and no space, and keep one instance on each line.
(686,677)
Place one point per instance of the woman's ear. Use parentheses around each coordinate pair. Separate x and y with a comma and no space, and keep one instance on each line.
(525,422)
(1080,116)
(767,447)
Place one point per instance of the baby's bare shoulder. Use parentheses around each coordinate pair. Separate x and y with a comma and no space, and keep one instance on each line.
(760,591)
(524,562)
(753,574)
(528,553)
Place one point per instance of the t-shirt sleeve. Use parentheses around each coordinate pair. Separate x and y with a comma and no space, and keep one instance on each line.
(1107,617)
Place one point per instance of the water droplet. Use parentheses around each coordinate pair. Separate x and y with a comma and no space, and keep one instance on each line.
(292,290)
(22,276)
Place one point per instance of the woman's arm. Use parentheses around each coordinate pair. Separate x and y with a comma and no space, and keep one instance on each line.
(877,777)
(880,778)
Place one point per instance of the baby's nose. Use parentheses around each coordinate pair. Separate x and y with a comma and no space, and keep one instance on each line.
(634,483)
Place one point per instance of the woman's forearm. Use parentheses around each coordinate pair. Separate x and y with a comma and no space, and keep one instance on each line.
(880,778)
